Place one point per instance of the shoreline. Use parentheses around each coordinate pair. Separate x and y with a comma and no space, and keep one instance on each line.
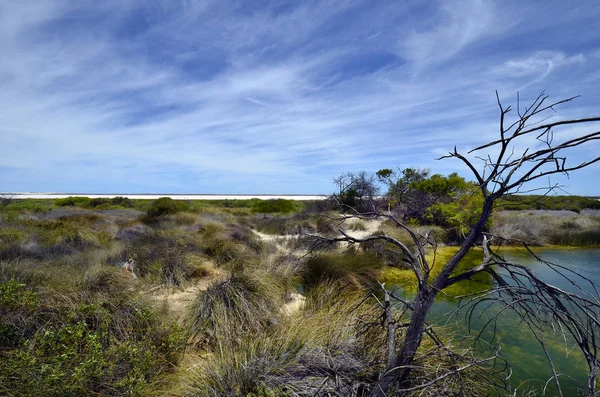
(148,196)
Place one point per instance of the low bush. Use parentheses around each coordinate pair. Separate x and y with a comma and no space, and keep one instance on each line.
(74,201)
(28,205)
(276,206)
(165,206)
(103,347)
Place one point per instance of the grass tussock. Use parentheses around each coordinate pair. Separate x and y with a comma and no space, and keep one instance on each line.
(240,305)
(354,268)
(165,258)
(293,357)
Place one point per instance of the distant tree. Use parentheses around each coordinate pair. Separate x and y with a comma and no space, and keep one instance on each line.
(356,190)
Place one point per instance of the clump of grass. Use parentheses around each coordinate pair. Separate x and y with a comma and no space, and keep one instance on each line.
(276,226)
(221,247)
(237,306)
(358,225)
(247,369)
(294,357)
(163,257)
(352,268)
(80,230)
(244,235)
(221,250)
(106,281)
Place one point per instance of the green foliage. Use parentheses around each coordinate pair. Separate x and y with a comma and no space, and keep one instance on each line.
(448,201)
(99,203)
(400,185)
(276,206)
(10,236)
(166,206)
(104,346)
(13,295)
(28,205)
(73,201)
(460,214)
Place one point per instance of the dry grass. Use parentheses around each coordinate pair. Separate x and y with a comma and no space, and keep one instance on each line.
(548,227)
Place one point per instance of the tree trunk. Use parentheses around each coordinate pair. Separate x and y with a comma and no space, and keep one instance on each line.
(398,371)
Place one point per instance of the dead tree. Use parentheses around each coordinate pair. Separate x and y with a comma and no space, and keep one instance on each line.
(507,168)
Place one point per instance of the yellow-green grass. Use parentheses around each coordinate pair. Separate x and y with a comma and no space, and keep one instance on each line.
(437,259)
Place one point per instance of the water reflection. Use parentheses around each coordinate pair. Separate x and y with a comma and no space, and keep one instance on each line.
(519,346)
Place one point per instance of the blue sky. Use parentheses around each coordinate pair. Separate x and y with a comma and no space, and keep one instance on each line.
(169,96)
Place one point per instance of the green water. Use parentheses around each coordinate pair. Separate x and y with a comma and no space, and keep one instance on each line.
(530,366)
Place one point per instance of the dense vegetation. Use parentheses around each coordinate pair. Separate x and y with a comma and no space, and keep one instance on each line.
(74,322)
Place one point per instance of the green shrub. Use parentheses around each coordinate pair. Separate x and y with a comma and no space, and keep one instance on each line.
(95,202)
(276,206)
(121,202)
(28,205)
(165,206)
(108,206)
(13,295)
(107,347)
(10,235)
(73,201)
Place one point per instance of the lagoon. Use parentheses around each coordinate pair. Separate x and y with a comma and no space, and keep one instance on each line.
(529,364)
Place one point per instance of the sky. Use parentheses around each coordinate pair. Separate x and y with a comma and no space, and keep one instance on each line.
(277,97)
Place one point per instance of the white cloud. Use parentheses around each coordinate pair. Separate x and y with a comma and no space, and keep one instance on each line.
(540,64)
(455,25)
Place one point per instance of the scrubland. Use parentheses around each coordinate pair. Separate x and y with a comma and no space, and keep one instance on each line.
(223,299)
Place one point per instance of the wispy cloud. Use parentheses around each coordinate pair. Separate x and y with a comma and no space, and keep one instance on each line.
(207,96)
